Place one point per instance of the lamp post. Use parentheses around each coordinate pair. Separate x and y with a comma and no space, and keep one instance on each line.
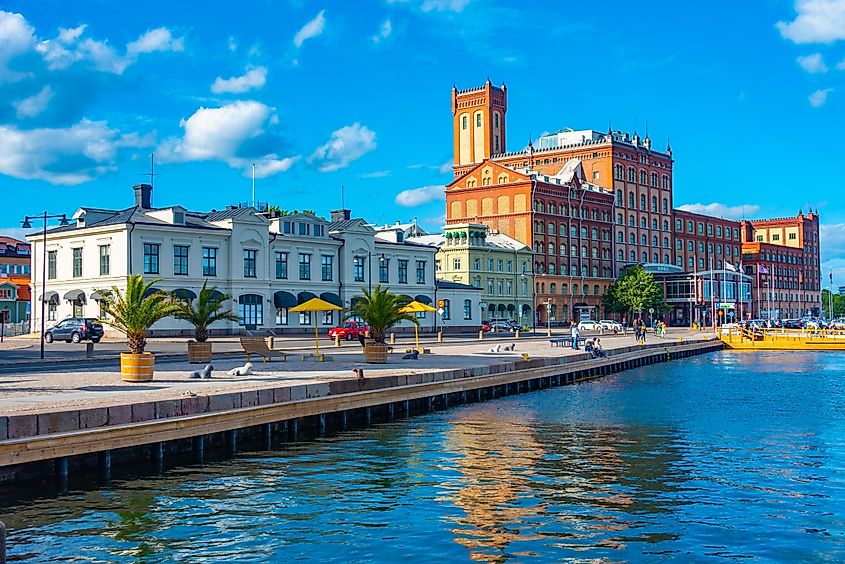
(27,224)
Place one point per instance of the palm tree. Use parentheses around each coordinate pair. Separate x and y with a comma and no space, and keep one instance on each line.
(207,310)
(136,309)
(380,309)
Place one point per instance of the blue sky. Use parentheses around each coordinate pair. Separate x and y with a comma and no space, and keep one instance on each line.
(324,94)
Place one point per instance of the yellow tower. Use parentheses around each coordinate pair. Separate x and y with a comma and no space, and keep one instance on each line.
(478,123)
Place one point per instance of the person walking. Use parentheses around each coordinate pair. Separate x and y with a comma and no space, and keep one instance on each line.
(573,331)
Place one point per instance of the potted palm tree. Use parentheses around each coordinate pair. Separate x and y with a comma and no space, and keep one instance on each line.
(380,310)
(201,313)
(133,312)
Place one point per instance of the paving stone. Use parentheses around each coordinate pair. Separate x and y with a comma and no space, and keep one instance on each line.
(22,426)
(168,408)
(93,418)
(281,395)
(249,399)
(58,422)
(120,414)
(143,412)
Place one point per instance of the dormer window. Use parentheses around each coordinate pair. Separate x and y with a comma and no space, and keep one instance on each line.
(179,217)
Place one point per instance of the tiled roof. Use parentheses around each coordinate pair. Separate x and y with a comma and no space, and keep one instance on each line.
(221,215)
(346,224)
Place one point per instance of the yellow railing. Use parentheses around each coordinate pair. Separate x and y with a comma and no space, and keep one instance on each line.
(797,339)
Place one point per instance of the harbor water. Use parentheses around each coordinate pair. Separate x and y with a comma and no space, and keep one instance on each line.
(722,456)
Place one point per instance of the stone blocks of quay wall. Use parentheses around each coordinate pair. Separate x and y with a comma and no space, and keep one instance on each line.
(30,425)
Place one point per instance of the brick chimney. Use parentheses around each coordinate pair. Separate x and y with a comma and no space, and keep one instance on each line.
(143,196)
(341,215)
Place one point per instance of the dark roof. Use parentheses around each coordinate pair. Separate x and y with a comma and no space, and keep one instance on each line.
(448,285)
(135,215)
(347,224)
(228,213)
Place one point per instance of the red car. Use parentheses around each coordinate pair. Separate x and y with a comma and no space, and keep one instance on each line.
(349,330)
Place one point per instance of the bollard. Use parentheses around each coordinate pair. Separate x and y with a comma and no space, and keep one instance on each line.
(481,335)
(270,342)
(440,336)
(548,331)
(337,340)
(516,334)
(393,338)
(89,350)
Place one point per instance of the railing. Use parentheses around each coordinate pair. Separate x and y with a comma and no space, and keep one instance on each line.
(14,329)
(741,334)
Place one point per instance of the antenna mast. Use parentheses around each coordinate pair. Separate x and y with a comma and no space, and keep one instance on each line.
(342,206)
(253,184)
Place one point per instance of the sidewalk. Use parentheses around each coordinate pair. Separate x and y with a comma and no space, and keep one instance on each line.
(74,388)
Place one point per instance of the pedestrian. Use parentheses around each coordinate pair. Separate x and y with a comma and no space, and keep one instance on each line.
(573,331)
(642,331)
(598,350)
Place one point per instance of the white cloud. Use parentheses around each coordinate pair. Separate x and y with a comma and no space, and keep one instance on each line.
(384,31)
(446,167)
(253,79)
(435,5)
(344,146)
(419,196)
(16,38)
(219,134)
(232,43)
(722,210)
(35,104)
(376,174)
(70,47)
(13,232)
(818,21)
(61,156)
(158,40)
(819,97)
(312,29)
(813,63)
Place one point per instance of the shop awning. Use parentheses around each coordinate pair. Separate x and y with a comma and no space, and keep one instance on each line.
(511,307)
(331,298)
(502,307)
(491,307)
(151,290)
(526,308)
(303,297)
(216,294)
(75,296)
(284,300)
(423,299)
(96,296)
(51,298)
(249,299)
(184,294)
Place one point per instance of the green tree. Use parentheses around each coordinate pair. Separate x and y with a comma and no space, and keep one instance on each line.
(136,309)
(380,309)
(205,310)
(634,292)
(838,304)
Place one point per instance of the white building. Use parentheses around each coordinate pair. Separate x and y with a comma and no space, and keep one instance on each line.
(268,263)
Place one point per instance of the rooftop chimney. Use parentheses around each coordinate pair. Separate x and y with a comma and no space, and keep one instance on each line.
(341,215)
(143,196)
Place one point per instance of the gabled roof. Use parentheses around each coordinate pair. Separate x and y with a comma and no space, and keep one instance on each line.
(497,168)
(349,225)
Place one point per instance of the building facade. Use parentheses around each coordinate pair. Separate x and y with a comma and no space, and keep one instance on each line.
(15,259)
(498,266)
(267,262)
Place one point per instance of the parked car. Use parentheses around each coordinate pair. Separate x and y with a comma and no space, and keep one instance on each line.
(610,325)
(75,330)
(589,325)
(485,326)
(349,330)
(791,323)
(838,323)
(502,325)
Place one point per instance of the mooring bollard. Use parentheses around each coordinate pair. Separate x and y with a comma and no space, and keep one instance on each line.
(393,338)
(337,340)
(89,350)
(516,334)
(440,336)
(481,335)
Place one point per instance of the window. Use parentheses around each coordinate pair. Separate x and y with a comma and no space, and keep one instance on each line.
(209,261)
(305,266)
(281,265)
(180,260)
(250,310)
(632,174)
(326,268)
(759,238)
(467,309)
(718,231)
(490,286)
(250,263)
(384,271)
(489,265)
(654,179)
(151,258)
(358,269)
(654,224)
(447,314)
(665,205)
(319,230)
(463,122)
(403,271)
(51,311)
(304,228)
(619,198)
(305,318)
(77,263)
(631,200)
(328,316)
(642,202)
(792,236)
(282,316)
(105,260)
(654,202)
(775,237)
(456,264)
(701,229)
(500,286)
(478,120)
(500,265)
(643,177)
(51,265)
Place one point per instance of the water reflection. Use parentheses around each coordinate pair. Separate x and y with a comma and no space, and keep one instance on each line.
(731,456)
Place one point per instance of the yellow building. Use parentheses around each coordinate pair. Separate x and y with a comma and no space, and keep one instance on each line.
(473,254)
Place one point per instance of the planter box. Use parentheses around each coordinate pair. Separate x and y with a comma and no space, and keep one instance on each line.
(137,367)
(199,353)
(375,353)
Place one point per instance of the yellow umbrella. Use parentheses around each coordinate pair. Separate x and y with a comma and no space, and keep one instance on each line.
(314,305)
(416,307)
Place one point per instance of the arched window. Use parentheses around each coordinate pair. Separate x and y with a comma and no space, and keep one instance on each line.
(654,224)
(594,233)
(552,271)
(573,231)
(564,209)
(665,205)
(631,203)
(642,202)
(654,241)
(619,220)
(633,256)
(596,287)
(665,225)
(643,177)
(666,242)
(583,232)
(595,252)
(654,179)
(552,209)
(551,228)
(564,288)
(665,182)
(632,174)
(551,248)
(644,239)
(631,221)
(563,250)
(620,254)
(552,286)
(584,272)
(619,172)
(643,222)
(620,238)
(632,238)
(665,259)
(575,289)
(654,203)
(619,198)
(573,251)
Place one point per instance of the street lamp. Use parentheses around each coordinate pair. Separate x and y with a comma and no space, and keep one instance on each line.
(27,224)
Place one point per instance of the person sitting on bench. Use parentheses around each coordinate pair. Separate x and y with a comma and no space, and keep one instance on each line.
(588,347)
(598,350)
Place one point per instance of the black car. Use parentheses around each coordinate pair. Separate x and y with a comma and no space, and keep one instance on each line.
(74,330)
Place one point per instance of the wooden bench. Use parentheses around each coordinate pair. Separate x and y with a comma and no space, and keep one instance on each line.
(566,341)
(257,345)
